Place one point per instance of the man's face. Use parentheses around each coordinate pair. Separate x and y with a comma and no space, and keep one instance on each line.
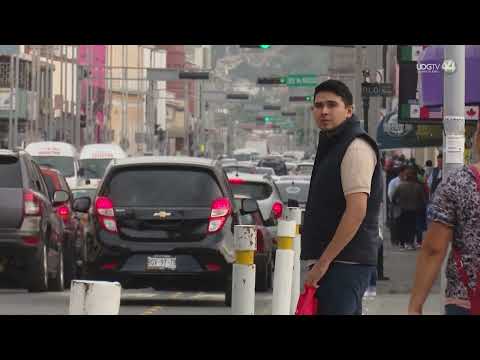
(329,110)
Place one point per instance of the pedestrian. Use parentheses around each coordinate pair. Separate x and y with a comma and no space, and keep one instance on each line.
(428,168)
(436,177)
(454,219)
(340,235)
(395,210)
(409,197)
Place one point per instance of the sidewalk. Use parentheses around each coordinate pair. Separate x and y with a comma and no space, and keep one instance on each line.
(393,295)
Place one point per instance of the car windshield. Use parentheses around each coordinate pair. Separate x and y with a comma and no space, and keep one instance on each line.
(94,168)
(11,176)
(163,187)
(243,157)
(293,191)
(78,193)
(304,169)
(64,164)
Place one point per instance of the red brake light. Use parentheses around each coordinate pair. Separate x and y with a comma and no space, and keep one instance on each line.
(213,267)
(277,210)
(220,210)
(31,204)
(64,212)
(236,181)
(105,213)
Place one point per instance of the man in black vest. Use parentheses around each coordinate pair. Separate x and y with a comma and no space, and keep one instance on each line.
(340,235)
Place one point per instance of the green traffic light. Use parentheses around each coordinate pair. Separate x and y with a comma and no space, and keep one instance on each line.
(264,46)
(267,119)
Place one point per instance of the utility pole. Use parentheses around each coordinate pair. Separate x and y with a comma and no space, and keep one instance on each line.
(453,123)
(10,112)
(77,100)
(17,105)
(186,144)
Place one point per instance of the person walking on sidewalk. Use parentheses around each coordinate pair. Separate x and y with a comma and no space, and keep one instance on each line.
(454,218)
(410,199)
(340,236)
(392,187)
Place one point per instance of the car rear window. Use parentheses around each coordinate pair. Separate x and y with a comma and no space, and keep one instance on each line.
(257,191)
(295,191)
(163,187)
(11,175)
(50,186)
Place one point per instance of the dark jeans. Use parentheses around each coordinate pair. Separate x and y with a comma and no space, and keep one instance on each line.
(407,227)
(451,309)
(341,290)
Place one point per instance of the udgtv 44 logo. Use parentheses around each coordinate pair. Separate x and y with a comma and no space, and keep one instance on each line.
(447,66)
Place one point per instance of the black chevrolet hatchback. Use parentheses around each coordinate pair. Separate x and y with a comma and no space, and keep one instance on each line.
(163,222)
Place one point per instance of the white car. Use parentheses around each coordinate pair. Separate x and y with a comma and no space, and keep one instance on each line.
(57,155)
(94,159)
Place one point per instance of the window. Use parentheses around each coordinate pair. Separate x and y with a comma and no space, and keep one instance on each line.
(11,175)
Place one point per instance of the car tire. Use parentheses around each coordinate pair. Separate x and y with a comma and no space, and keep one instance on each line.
(262,274)
(58,283)
(38,272)
(228,288)
(69,262)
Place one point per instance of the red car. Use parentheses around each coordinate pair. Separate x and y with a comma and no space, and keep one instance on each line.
(264,256)
(73,235)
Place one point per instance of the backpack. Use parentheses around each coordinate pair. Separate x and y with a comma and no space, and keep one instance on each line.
(473,294)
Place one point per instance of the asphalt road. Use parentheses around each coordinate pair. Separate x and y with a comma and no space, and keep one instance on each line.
(133,302)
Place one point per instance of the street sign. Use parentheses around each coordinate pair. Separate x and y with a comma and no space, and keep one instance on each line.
(309,80)
(377,89)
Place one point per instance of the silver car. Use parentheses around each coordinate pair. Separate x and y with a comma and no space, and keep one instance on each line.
(294,188)
(263,189)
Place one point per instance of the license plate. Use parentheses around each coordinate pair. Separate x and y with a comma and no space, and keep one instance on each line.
(161,263)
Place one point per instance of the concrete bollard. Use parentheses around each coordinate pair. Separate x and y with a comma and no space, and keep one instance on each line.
(295,214)
(284,258)
(243,277)
(94,298)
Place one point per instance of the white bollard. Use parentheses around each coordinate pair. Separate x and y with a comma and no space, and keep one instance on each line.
(243,277)
(295,214)
(284,258)
(94,298)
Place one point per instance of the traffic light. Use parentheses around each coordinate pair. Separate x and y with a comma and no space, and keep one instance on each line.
(272,107)
(307,98)
(271,81)
(264,47)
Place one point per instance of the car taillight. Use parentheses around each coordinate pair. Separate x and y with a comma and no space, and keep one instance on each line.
(277,210)
(105,214)
(31,204)
(64,212)
(220,210)
(236,181)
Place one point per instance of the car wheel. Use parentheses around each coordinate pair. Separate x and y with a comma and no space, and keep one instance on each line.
(262,277)
(38,272)
(58,283)
(228,289)
(69,261)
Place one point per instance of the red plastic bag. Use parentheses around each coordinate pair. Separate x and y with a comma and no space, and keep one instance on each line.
(307,302)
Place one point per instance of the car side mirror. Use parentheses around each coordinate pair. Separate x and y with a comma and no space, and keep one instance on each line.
(249,206)
(82,204)
(60,197)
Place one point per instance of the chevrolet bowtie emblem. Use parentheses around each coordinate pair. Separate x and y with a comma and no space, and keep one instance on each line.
(162,214)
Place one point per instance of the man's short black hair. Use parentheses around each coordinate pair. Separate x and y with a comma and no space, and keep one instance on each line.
(429,163)
(440,156)
(338,88)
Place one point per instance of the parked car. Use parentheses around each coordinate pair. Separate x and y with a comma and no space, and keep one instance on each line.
(31,234)
(163,222)
(74,242)
(264,256)
(293,188)
(276,163)
(262,189)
